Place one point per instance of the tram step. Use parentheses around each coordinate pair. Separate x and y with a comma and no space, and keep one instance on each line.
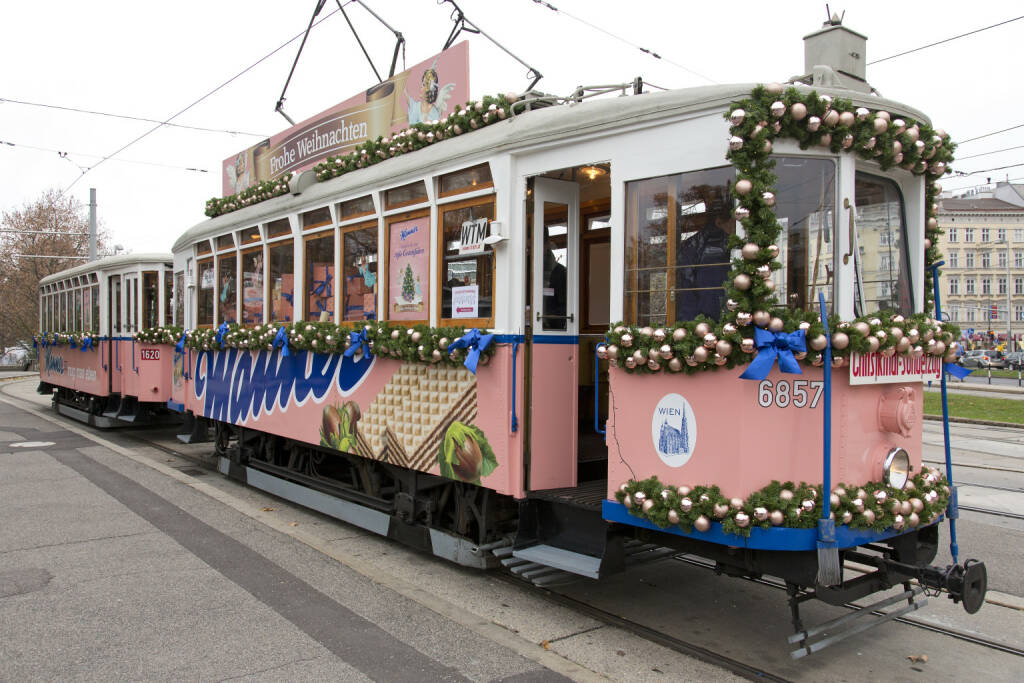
(821,636)
(560,558)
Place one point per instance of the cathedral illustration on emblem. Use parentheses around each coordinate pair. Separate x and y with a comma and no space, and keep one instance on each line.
(674,441)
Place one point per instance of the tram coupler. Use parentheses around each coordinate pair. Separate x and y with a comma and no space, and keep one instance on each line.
(966,583)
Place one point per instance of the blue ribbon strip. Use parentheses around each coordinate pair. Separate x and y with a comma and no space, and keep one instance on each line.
(221,331)
(71,342)
(86,343)
(180,346)
(281,341)
(956,370)
(358,340)
(323,287)
(476,343)
(772,345)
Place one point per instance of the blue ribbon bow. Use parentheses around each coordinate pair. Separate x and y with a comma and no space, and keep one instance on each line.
(957,371)
(358,340)
(772,345)
(180,346)
(221,331)
(476,343)
(281,341)
(323,287)
(71,342)
(86,343)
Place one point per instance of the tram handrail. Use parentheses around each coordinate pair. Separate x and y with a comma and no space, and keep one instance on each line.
(133,357)
(597,394)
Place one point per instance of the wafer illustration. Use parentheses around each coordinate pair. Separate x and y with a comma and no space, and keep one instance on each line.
(407,420)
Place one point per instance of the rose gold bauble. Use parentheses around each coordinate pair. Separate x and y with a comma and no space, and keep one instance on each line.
(742,519)
(744,186)
(818,342)
(702,524)
(723,347)
(840,340)
(776,517)
(747,345)
(776,325)
(873,344)
(700,354)
(654,365)
(654,354)
(869,516)
(659,335)
(673,517)
(743,318)
(798,110)
(647,506)
(626,340)
(750,251)
(786,495)
(720,510)
(762,318)
(685,504)
(916,505)
(741,281)
(903,345)
(760,514)
(710,340)
(675,365)
(665,351)
(638,357)
(679,334)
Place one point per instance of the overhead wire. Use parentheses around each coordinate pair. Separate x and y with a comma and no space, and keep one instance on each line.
(65,155)
(988,135)
(207,95)
(127,117)
(945,40)
(645,50)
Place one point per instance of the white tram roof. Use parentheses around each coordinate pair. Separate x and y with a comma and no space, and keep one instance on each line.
(119,262)
(536,127)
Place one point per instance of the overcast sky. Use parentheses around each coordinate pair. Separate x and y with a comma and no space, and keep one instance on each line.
(151,60)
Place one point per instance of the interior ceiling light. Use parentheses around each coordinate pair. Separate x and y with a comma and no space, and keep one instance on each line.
(593,171)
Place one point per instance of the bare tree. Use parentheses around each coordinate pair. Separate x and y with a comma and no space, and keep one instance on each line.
(40,228)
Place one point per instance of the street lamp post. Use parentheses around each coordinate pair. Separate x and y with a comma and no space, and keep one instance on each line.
(1009,318)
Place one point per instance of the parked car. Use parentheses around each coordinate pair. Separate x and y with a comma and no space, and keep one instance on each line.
(1015,360)
(15,358)
(983,358)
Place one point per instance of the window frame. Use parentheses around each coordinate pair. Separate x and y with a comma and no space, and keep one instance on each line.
(482,323)
(386,294)
(339,290)
(321,232)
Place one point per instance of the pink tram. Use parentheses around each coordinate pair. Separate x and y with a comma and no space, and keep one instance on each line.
(89,357)
(539,331)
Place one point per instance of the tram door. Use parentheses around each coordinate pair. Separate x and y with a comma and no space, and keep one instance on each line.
(555,334)
(113,331)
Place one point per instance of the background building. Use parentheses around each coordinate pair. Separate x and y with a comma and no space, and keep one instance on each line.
(983,280)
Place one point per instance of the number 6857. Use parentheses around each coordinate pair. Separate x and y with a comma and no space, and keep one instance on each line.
(799,393)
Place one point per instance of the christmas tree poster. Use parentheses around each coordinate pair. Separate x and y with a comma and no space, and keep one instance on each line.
(408,269)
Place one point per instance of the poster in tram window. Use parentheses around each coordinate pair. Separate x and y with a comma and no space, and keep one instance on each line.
(409,269)
(321,291)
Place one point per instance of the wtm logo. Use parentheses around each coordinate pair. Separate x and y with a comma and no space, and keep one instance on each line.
(674,430)
(53,364)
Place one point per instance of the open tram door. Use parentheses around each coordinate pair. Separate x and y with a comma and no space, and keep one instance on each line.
(568,314)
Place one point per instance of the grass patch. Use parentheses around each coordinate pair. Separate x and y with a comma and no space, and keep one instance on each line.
(982,372)
(976,407)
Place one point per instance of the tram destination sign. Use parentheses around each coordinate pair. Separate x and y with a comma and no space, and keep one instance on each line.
(874,368)
(425,92)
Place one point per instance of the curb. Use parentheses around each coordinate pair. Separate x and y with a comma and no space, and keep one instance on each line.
(967,420)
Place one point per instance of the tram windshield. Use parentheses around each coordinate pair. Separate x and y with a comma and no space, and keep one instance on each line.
(882,262)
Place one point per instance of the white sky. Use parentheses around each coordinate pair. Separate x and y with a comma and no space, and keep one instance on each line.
(153,59)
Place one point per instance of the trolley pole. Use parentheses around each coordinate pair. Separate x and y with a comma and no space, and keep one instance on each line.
(92,223)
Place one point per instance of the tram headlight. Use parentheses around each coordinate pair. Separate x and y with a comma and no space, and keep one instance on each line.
(897,468)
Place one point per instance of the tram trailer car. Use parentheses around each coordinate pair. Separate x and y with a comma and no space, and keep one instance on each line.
(95,366)
(426,346)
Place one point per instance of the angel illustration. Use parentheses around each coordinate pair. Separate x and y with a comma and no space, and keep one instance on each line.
(433,100)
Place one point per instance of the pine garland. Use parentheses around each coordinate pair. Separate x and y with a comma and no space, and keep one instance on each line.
(419,343)
(473,116)
(873,505)
(72,339)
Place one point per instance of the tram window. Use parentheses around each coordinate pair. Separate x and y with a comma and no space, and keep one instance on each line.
(279,228)
(881,260)
(804,206)
(677,256)
(359,273)
(95,308)
(62,323)
(150,300)
(168,297)
(319,256)
(204,302)
(413,193)
(225,242)
(282,282)
(133,296)
(317,218)
(408,268)
(354,208)
(179,298)
(86,309)
(227,288)
(116,298)
(467,276)
(78,326)
(252,286)
(203,247)
(466,180)
(248,236)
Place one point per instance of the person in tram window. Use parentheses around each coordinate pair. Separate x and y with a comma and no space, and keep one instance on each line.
(702,260)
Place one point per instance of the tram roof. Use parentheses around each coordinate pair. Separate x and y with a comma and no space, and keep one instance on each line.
(536,127)
(108,263)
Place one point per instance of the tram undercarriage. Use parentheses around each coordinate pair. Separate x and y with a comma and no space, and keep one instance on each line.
(107,412)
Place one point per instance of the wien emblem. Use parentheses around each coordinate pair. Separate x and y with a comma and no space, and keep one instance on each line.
(674,430)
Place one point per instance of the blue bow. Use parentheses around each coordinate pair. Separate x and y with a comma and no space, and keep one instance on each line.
(476,343)
(772,345)
(281,341)
(35,342)
(287,296)
(180,346)
(221,331)
(86,343)
(358,340)
(956,370)
(323,287)
(71,342)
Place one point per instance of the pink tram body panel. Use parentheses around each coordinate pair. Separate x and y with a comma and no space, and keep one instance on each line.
(76,369)
(715,428)
(413,415)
